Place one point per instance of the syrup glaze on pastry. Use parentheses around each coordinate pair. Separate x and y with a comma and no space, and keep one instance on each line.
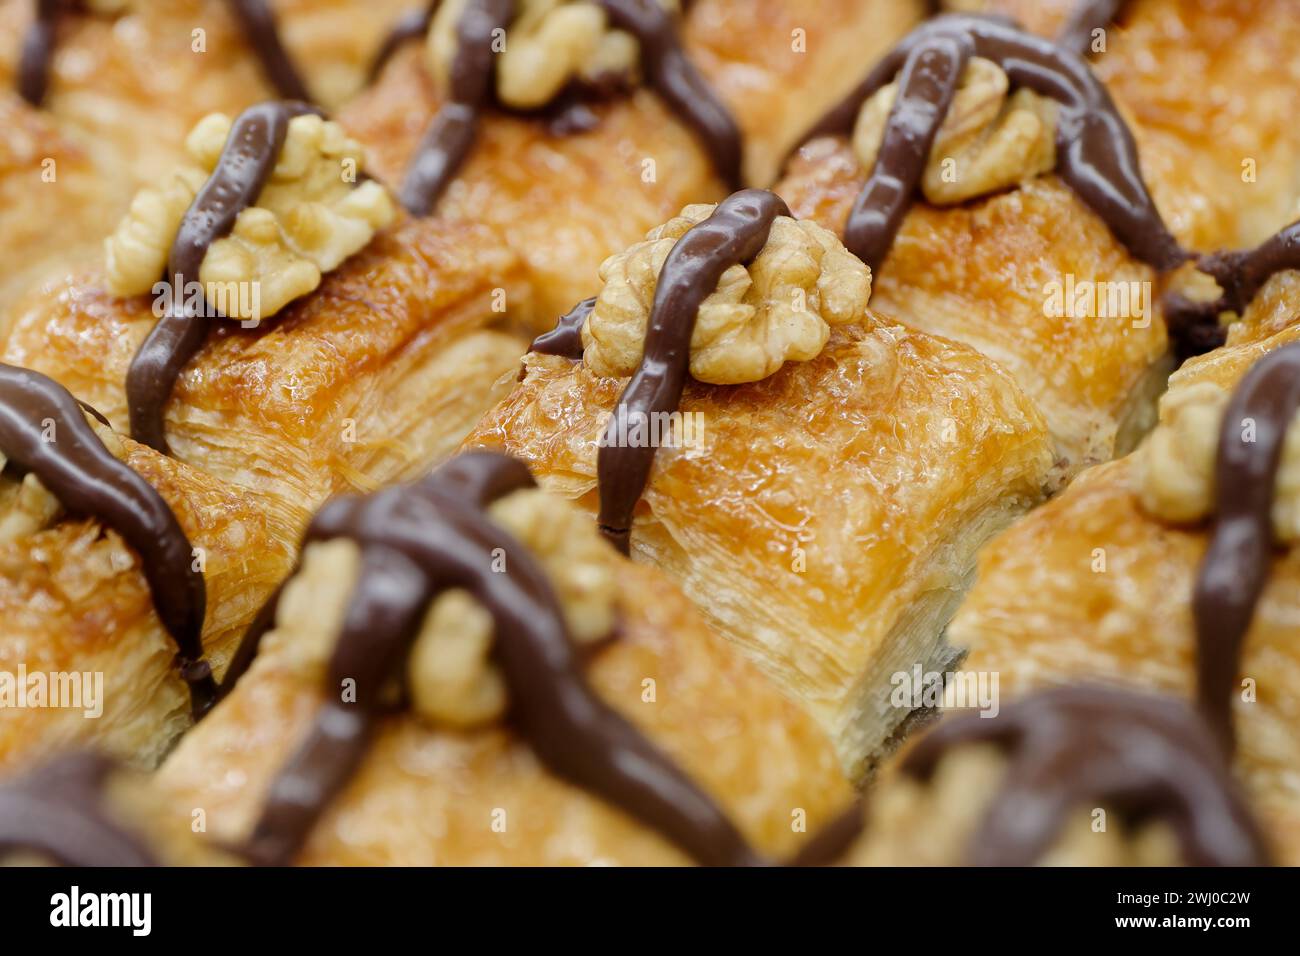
(734,234)
(87,480)
(419,541)
(1146,757)
(1096,152)
(451,132)
(1236,565)
(247,160)
(58,812)
(253,15)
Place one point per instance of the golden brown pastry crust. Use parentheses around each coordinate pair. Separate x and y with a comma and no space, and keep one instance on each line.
(74,599)
(980,273)
(428,797)
(828,517)
(373,378)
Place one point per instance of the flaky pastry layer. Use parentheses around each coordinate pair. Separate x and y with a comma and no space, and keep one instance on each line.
(75,601)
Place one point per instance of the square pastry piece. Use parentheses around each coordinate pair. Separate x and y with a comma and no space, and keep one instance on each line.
(1173,569)
(823,502)
(463,673)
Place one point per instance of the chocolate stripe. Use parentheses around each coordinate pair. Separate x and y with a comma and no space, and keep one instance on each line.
(264,37)
(87,480)
(1236,565)
(1096,153)
(676,79)
(38,51)
(418,541)
(734,234)
(411,26)
(926,86)
(57,811)
(1072,748)
(565,339)
(246,162)
(451,133)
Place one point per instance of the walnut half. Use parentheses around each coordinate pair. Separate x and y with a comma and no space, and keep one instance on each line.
(989,140)
(777,309)
(310,216)
(1176,464)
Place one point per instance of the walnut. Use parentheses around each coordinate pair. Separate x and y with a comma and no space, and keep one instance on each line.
(993,139)
(307,220)
(451,676)
(777,309)
(27,506)
(549,44)
(1175,466)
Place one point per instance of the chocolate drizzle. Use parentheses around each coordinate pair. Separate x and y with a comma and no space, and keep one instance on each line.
(38,51)
(411,26)
(1088,16)
(1240,275)
(263,36)
(246,162)
(417,541)
(671,73)
(1070,748)
(565,339)
(58,812)
(1096,153)
(450,135)
(734,234)
(76,468)
(1236,565)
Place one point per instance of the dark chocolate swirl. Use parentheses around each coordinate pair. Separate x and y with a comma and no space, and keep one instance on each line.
(1236,565)
(450,135)
(1096,153)
(566,338)
(670,72)
(411,26)
(1240,275)
(57,812)
(1087,17)
(246,162)
(417,541)
(75,467)
(38,51)
(1147,758)
(734,234)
